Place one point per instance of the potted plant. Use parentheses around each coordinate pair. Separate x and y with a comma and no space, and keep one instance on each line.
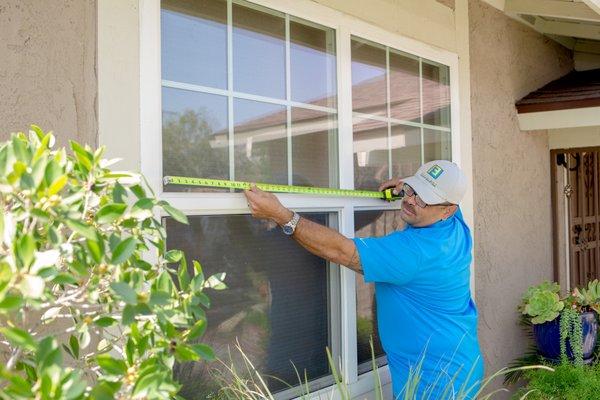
(563,328)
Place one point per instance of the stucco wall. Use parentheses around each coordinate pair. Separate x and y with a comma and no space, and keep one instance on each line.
(513,222)
(48,67)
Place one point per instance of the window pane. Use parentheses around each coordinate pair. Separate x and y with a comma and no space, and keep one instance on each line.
(438,145)
(276,304)
(194,135)
(194,42)
(312,64)
(260,139)
(369,80)
(405,103)
(371,155)
(369,224)
(406,150)
(258,52)
(314,149)
(436,95)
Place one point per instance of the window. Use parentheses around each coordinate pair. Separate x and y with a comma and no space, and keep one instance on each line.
(247,94)
(401,113)
(302,95)
(278,304)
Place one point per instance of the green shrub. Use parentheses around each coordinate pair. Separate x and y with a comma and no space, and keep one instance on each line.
(84,274)
(567,382)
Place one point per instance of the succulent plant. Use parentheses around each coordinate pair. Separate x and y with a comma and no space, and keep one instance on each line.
(542,305)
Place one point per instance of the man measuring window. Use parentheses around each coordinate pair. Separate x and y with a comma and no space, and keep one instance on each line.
(427,319)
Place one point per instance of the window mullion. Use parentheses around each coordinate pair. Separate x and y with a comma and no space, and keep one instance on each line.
(344,99)
(230,88)
(288,97)
(421,110)
(388,112)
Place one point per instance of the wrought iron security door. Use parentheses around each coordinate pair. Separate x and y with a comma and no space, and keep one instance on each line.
(580,168)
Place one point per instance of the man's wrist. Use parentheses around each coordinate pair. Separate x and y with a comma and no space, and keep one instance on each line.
(284,217)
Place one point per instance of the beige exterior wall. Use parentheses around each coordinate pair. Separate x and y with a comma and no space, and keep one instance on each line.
(513,221)
(588,136)
(48,68)
(429,21)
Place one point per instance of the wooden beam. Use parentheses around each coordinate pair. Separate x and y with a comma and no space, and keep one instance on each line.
(593,4)
(553,9)
(587,46)
(573,29)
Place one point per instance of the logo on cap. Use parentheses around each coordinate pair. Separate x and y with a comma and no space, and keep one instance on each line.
(435,171)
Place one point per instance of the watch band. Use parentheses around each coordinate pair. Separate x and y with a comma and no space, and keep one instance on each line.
(290,227)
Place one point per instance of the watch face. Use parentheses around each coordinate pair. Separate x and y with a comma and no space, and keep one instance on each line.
(287,230)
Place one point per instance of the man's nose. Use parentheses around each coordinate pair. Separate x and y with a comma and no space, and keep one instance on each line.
(410,200)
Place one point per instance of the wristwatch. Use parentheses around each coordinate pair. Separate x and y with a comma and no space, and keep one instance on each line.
(290,227)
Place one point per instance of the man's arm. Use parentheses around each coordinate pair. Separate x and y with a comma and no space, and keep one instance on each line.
(318,239)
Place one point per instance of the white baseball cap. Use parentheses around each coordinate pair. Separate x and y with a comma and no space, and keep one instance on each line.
(439,181)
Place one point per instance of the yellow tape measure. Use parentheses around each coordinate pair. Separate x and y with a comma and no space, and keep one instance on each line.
(387,194)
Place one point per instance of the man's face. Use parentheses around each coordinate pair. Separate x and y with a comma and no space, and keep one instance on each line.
(416,216)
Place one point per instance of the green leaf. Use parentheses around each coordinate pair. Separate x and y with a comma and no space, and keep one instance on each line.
(110,212)
(82,229)
(130,350)
(174,213)
(96,249)
(26,249)
(197,330)
(202,299)
(11,302)
(183,275)
(185,353)
(52,173)
(48,354)
(125,292)
(129,313)
(74,345)
(158,298)
(18,337)
(105,390)
(105,321)
(204,351)
(143,204)
(123,251)
(173,256)
(57,185)
(111,365)
(216,281)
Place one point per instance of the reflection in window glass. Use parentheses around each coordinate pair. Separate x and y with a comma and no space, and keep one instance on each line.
(194,134)
(369,79)
(260,139)
(194,42)
(314,150)
(436,94)
(406,150)
(438,145)
(405,100)
(276,304)
(371,155)
(370,224)
(258,52)
(312,64)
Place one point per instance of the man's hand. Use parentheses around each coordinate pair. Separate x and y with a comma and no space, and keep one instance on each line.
(266,206)
(396,183)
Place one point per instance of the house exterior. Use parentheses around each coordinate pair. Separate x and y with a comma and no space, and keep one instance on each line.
(328,93)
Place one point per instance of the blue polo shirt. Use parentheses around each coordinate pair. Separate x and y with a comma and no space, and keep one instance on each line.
(427,319)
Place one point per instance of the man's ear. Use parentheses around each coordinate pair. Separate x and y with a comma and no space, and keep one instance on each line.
(450,210)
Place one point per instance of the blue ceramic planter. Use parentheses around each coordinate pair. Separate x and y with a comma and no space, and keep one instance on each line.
(547,337)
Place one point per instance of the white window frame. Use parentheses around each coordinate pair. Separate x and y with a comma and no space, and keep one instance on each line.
(234,203)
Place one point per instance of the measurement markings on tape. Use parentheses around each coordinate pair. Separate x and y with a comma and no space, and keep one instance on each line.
(270,187)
